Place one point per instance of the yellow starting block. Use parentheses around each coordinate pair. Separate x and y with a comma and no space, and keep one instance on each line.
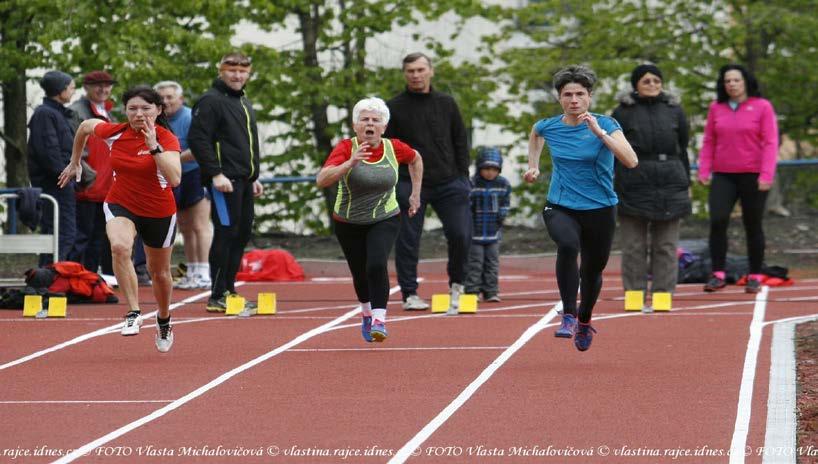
(235,305)
(440,302)
(467,304)
(266,303)
(662,301)
(32,305)
(634,300)
(56,306)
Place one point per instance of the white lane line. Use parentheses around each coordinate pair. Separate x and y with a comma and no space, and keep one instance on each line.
(96,333)
(745,396)
(82,401)
(781,420)
(405,348)
(88,447)
(409,448)
(796,319)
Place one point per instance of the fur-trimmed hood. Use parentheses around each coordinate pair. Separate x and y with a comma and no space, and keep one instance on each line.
(629,98)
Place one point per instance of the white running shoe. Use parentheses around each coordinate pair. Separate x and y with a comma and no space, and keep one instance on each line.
(203,282)
(184,283)
(454,299)
(415,303)
(132,322)
(164,337)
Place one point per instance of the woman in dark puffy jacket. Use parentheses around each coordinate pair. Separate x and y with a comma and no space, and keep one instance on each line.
(654,196)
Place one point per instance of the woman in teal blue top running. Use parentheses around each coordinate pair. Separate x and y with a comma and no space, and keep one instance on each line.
(579,211)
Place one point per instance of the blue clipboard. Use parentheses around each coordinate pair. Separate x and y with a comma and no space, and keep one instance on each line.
(221,206)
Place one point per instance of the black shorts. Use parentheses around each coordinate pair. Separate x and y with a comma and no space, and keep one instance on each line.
(155,232)
(190,190)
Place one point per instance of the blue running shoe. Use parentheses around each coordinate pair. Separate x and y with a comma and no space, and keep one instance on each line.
(366,326)
(584,336)
(568,327)
(378,332)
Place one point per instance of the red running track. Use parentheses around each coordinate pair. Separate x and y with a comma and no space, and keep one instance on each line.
(302,386)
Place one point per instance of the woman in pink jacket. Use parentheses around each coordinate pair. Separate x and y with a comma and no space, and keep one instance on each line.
(737,161)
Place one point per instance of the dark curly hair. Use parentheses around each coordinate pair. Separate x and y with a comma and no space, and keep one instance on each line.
(147,93)
(750,82)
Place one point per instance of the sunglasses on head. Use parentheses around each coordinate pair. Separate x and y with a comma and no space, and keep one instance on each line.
(237,62)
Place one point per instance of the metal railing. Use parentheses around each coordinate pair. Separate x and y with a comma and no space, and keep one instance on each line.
(29,243)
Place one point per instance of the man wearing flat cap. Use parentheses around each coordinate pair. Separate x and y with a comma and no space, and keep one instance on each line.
(92,248)
(50,140)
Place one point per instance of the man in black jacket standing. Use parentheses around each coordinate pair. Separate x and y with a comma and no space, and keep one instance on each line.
(224,140)
(51,137)
(430,122)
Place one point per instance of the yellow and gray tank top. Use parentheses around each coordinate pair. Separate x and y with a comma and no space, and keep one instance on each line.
(366,194)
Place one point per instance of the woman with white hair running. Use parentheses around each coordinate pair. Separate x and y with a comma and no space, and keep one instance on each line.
(366,214)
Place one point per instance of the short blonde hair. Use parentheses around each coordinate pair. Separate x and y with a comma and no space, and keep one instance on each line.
(371,104)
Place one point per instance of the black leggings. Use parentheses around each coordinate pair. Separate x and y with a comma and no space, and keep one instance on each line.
(725,189)
(589,233)
(366,248)
(232,214)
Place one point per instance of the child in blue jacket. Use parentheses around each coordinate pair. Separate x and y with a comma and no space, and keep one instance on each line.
(490,195)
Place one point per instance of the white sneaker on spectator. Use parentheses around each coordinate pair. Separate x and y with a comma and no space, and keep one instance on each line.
(454,299)
(185,283)
(132,322)
(415,303)
(203,282)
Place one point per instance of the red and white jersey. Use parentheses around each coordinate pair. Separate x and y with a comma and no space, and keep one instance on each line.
(138,185)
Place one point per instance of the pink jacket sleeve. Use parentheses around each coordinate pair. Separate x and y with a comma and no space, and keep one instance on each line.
(708,146)
(769,144)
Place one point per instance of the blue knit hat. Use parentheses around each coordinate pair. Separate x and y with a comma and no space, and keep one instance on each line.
(489,157)
(54,82)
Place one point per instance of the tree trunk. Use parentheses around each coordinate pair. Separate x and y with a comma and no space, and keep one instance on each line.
(14,113)
(310,21)
(14,131)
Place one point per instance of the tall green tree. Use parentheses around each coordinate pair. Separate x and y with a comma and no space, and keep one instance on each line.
(688,39)
(141,43)
(309,97)
(22,47)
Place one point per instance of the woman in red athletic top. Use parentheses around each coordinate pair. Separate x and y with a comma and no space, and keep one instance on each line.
(145,161)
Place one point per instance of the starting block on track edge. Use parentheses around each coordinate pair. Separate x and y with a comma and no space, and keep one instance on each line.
(468,304)
(266,303)
(32,305)
(56,306)
(662,301)
(634,300)
(235,305)
(442,301)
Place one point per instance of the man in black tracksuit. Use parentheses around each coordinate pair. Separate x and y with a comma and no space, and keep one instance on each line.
(430,122)
(224,140)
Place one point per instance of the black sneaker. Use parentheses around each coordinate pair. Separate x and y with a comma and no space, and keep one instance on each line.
(753,286)
(714,284)
(216,305)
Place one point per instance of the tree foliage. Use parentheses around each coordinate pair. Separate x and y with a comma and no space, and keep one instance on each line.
(304,90)
(142,43)
(689,40)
